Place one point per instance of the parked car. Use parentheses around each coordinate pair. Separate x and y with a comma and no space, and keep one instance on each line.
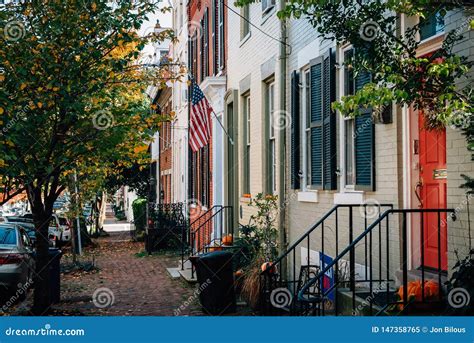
(27,223)
(64,227)
(17,263)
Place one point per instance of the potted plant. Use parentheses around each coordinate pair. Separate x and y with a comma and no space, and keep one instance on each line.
(259,240)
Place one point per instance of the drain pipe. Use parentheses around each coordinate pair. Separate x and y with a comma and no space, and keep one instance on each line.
(282,136)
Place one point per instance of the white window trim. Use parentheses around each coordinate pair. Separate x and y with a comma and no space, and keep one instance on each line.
(344,188)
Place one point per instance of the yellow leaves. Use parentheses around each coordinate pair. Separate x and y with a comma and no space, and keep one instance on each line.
(94,7)
(140,149)
(55,89)
(2,110)
(22,86)
(77,58)
(39,104)
(2,78)
(10,143)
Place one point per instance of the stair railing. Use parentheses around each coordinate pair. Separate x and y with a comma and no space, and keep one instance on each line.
(383,297)
(324,237)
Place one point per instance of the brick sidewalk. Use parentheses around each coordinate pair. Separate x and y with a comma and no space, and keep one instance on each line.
(139,285)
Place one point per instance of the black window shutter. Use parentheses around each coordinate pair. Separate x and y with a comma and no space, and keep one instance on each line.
(329,122)
(317,123)
(364,142)
(295,130)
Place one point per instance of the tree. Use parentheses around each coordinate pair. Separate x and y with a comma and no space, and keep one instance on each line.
(71,98)
(436,84)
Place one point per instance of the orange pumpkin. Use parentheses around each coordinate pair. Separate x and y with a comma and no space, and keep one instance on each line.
(227,240)
(212,249)
(268,266)
(239,273)
(431,289)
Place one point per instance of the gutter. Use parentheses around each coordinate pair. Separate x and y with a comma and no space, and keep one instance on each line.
(282,137)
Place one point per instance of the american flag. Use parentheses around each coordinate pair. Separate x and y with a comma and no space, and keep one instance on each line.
(200,119)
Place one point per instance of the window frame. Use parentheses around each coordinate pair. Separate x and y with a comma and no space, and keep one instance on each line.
(270,114)
(305,111)
(246,108)
(348,91)
(267,6)
(245,22)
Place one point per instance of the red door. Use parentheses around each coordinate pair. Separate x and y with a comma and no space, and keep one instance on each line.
(432,189)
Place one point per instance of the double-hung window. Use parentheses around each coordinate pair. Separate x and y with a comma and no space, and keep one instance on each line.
(247,139)
(359,133)
(270,109)
(245,22)
(313,125)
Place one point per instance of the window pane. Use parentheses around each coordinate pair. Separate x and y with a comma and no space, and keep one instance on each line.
(431,25)
(349,152)
(7,236)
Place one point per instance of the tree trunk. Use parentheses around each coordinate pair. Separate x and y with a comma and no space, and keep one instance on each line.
(42,209)
(42,294)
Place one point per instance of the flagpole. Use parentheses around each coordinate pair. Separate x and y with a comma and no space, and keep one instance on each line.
(223,128)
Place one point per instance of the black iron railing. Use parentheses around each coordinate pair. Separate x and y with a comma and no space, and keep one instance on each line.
(206,233)
(302,260)
(164,226)
(377,291)
(187,246)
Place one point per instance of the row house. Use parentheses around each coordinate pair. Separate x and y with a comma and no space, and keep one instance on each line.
(372,197)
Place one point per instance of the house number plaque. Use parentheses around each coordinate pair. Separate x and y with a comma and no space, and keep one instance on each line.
(440,174)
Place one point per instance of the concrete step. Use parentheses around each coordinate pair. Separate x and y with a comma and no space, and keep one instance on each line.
(415,274)
(187,275)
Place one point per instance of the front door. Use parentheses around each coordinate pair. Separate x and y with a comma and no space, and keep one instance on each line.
(432,194)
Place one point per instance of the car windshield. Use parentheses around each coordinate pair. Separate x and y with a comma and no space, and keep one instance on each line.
(7,235)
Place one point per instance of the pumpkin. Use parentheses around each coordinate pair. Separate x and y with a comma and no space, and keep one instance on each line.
(431,289)
(212,249)
(227,240)
(239,273)
(268,266)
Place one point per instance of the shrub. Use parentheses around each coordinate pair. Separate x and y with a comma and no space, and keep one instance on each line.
(139,214)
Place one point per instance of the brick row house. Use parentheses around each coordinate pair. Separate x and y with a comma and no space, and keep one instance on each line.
(354,193)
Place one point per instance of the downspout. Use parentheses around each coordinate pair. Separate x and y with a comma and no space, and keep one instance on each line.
(282,136)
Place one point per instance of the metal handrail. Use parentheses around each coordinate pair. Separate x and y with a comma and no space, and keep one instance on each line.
(316,225)
(194,232)
(301,294)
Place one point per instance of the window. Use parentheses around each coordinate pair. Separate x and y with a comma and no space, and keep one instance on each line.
(246,150)
(431,25)
(205,45)
(245,22)
(221,34)
(267,5)
(272,167)
(359,134)
(306,102)
(349,131)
